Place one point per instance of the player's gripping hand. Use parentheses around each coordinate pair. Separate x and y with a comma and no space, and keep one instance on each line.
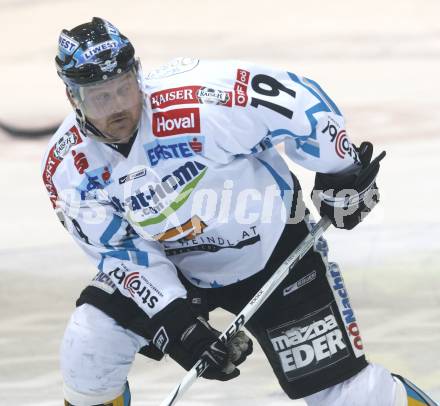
(200,340)
(186,338)
(347,198)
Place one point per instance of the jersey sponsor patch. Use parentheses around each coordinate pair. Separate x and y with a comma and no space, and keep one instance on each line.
(179,121)
(155,202)
(182,147)
(135,285)
(341,295)
(209,95)
(190,95)
(339,138)
(308,345)
(132,176)
(240,87)
(54,158)
(64,144)
(170,97)
(243,76)
(212,243)
(344,147)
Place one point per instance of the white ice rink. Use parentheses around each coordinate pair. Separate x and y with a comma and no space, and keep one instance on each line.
(380,61)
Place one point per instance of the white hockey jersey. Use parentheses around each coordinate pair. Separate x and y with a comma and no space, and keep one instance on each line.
(202,188)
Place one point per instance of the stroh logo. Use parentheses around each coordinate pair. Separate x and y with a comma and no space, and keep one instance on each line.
(173,122)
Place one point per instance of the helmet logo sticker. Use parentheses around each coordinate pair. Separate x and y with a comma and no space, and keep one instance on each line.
(94,51)
(111,29)
(109,65)
(67,44)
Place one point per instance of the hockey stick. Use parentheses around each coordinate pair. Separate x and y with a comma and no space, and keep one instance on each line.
(250,309)
(28,132)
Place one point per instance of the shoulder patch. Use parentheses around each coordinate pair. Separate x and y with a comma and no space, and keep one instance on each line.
(54,158)
(176,66)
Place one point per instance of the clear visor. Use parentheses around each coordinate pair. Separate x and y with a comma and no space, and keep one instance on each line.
(109,99)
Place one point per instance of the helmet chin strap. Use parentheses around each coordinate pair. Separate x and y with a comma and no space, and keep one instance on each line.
(88,128)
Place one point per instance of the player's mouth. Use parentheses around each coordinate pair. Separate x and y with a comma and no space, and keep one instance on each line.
(119,119)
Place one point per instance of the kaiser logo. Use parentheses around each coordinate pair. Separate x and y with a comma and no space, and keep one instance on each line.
(173,122)
(207,95)
(176,95)
(54,158)
(65,142)
(310,344)
(190,95)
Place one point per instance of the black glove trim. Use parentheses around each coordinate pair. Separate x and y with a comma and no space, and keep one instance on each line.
(346,198)
(167,326)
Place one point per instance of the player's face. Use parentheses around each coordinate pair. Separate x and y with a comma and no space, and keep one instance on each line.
(114,106)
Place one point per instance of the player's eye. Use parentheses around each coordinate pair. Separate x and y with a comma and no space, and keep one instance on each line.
(102,98)
(124,90)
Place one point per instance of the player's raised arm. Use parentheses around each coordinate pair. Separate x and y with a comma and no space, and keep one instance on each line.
(272,106)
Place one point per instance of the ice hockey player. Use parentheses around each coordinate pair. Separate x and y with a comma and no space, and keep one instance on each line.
(171,184)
